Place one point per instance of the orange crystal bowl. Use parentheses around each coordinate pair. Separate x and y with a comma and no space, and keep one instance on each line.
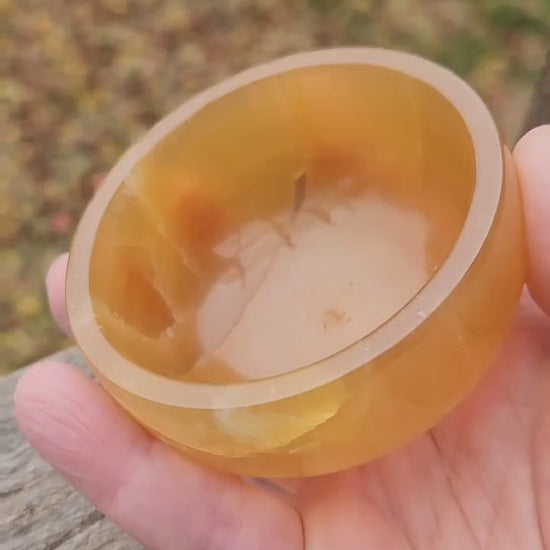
(305,266)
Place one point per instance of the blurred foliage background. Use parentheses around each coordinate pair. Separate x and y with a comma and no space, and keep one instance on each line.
(83,79)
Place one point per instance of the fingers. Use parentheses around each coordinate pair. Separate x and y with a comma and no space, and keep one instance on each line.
(163,500)
(532,156)
(55,287)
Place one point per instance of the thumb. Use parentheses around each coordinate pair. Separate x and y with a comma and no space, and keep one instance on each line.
(532,156)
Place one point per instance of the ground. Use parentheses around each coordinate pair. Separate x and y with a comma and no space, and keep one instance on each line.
(84,79)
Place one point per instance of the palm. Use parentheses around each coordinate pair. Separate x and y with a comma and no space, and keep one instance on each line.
(474,481)
(480,479)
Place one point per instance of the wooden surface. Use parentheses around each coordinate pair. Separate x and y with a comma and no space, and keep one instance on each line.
(39,510)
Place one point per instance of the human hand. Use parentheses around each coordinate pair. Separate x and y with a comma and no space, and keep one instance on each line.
(480,479)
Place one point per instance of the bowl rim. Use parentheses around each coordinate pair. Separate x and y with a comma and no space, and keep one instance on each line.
(489,166)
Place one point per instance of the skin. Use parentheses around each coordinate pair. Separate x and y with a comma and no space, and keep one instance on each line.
(480,479)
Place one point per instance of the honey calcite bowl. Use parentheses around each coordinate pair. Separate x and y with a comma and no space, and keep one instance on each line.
(305,266)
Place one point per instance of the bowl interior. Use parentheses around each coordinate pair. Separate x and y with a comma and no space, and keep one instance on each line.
(281,223)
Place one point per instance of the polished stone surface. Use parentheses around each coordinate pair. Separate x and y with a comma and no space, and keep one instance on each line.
(279,227)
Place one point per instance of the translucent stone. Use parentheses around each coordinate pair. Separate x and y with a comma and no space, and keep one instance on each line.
(306,266)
